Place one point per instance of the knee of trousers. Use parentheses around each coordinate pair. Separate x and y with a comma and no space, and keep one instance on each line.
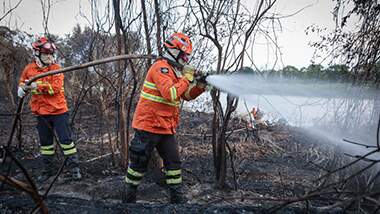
(139,153)
(138,163)
(138,160)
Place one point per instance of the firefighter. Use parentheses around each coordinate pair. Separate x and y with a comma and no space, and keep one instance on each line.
(157,116)
(48,103)
(257,116)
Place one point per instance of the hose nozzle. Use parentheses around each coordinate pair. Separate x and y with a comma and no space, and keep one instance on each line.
(201,77)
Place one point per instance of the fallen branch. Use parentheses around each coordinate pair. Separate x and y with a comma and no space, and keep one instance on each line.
(348,165)
(359,144)
(26,188)
(268,141)
(286,201)
(362,158)
(38,207)
(209,135)
(192,174)
(24,171)
(17,184)
(100,157)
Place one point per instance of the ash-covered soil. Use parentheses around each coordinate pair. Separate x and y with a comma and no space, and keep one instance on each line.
(270,166)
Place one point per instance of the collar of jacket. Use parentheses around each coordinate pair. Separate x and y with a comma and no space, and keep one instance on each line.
(170,60)
(43,69)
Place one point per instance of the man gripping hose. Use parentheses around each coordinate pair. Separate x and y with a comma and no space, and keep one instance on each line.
(157,115)
(48,103)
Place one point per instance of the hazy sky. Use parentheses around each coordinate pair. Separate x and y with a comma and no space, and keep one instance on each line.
(292,40)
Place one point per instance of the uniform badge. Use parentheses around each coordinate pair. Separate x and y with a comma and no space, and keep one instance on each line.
(164,70)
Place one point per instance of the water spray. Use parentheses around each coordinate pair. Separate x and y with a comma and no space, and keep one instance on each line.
(317,100)
(250,84)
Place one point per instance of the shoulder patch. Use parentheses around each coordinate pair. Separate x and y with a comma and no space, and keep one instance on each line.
(164,70)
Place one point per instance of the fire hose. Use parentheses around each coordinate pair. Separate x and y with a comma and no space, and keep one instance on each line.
(32,189)
(75,68)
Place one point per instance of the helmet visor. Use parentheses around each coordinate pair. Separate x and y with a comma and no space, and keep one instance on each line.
(48,48)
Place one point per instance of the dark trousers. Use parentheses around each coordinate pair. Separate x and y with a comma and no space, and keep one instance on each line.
(140,152)
(48,126)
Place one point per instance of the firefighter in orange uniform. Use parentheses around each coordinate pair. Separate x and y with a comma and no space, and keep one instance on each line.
(48,103)
(157,116)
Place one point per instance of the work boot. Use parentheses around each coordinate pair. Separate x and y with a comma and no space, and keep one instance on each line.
(46,174)
(129,195)
(176,194)
(72,164)
(47,168)
(75,173)
(160,178)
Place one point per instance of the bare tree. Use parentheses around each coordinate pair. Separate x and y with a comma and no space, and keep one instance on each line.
(121,98)
(10,10)
(158,26)
(146,30)
(45,6)
(224,24)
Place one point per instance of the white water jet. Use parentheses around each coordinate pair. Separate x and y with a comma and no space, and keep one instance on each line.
(249,84)
(307,104)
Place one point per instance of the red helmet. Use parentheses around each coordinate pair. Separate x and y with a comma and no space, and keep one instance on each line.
(42,45)
(179,41)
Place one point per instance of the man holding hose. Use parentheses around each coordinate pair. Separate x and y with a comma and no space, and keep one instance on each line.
(48,103)
(168,81)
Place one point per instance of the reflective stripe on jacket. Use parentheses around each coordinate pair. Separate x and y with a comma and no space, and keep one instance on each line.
(158,108)
(49,97)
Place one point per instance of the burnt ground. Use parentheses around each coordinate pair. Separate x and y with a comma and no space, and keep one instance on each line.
(278,165)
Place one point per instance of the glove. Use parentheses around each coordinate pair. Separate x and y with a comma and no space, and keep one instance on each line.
(23,89)
(32,86)
(188,72)
(21,92)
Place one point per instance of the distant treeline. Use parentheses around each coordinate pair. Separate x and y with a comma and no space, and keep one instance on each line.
(339,73)
(84,44)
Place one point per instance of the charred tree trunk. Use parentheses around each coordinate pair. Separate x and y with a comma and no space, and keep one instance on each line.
(121,97)
(219,129)
(146,30)
(158,32)
(156,160)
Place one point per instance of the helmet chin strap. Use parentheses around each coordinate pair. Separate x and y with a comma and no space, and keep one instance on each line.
(181,61)
(168,56)
(175,55)
(171,60)
(39,62)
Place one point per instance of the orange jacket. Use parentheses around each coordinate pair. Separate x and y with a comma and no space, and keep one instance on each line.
(158,108)
(49,97)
